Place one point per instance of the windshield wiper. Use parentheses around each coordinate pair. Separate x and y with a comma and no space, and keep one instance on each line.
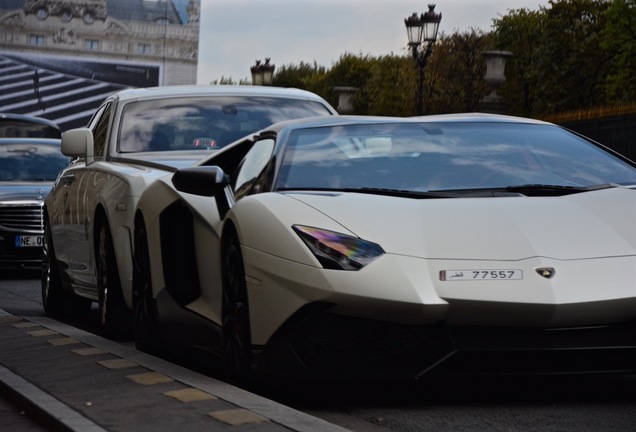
(379,191)
(508,191)
(555,190)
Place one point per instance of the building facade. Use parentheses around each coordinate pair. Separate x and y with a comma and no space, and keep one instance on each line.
(56,52)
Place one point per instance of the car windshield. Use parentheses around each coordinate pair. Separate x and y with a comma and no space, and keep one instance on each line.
(31,162)
(449,156)
(204,122)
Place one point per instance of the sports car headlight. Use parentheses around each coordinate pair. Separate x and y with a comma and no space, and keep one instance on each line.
(338,251)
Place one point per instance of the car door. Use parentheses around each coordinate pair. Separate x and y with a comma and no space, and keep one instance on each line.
(81,189)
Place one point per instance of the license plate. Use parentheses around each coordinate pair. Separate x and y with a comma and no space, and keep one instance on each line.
(480,274)
(28,241)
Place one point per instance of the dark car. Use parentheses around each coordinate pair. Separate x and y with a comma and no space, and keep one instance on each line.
(28,168)
(26,126)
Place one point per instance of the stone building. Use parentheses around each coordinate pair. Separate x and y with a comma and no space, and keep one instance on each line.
(54,52)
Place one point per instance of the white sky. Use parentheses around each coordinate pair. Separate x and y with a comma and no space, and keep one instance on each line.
(235,33)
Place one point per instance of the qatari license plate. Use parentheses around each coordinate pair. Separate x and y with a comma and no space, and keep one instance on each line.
(480,274)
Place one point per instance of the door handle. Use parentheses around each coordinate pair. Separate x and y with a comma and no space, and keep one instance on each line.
(68,179)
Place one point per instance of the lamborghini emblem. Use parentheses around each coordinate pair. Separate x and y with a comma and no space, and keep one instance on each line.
(546,272)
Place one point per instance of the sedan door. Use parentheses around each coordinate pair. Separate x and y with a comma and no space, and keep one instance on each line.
(81,185)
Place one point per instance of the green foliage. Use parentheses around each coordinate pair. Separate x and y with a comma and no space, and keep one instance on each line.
(569,55)
(565,55)
(229,81)
(618,38)
(304,76)
(519,33)
(455,74)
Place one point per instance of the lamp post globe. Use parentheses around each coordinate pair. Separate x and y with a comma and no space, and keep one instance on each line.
(263,73)
(422,34)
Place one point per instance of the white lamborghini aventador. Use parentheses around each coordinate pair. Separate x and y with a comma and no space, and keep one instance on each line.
(360,245)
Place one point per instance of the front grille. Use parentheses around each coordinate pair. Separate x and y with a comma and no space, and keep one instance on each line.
(25,216)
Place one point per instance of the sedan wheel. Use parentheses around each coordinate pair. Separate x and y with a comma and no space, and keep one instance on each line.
(113,315)
(54,299)
(236,323)
(145,329)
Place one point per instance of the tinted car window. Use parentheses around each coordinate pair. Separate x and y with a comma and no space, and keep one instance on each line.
(204,123)
(447,156)
(101,130)
(27,128)
(245,180)
(30,161)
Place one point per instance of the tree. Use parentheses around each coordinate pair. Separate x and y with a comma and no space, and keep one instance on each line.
(456,72)
(618,38)
(229,81)
(389,90)
(558,61)
(520,32)
(570,55)
(574,66)
(304,76)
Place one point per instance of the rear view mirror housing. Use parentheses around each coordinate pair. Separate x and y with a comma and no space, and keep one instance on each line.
(200,180)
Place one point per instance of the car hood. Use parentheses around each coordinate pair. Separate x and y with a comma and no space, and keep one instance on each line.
(24,191)
(579,226)
(174,159)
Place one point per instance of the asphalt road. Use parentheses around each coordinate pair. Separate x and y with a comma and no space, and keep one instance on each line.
(577,404)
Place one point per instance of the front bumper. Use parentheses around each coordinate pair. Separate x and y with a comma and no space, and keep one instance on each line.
(316,342)
(12,257)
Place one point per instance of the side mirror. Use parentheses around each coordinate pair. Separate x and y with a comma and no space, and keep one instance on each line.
(78,143)
(206,181)
(200,180)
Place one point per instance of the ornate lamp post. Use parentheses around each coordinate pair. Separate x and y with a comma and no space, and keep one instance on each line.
(262,73)
(422,34)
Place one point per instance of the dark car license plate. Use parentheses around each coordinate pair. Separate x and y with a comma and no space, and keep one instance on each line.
(28,241)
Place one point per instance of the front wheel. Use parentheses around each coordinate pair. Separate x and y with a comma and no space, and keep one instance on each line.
(55,300)
(114,317)
(236,318)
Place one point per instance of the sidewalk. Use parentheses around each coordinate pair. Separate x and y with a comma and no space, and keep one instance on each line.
(76,381)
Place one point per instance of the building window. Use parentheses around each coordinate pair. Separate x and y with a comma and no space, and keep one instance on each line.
(42,13)
(143,48)
(91,44)
(37,40)
(88,18)
(66,15)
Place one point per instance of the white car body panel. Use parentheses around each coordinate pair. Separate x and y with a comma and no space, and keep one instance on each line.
(407,274)
(115,187)
(112,182)
(523,228)
(418,227)
(573,252)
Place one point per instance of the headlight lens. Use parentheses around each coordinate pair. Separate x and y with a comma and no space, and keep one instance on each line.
(338,251)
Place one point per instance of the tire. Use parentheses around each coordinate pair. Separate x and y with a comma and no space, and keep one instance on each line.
(145,329)
(114,317)
(55,300)
(235,312)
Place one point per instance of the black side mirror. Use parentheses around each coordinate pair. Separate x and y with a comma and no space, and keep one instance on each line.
(200,180)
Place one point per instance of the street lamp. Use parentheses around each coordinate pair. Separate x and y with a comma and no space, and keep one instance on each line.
(422,33)
(262,73)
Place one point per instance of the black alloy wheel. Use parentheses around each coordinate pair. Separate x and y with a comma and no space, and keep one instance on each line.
(145,329)
(235,312)
(113,315)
